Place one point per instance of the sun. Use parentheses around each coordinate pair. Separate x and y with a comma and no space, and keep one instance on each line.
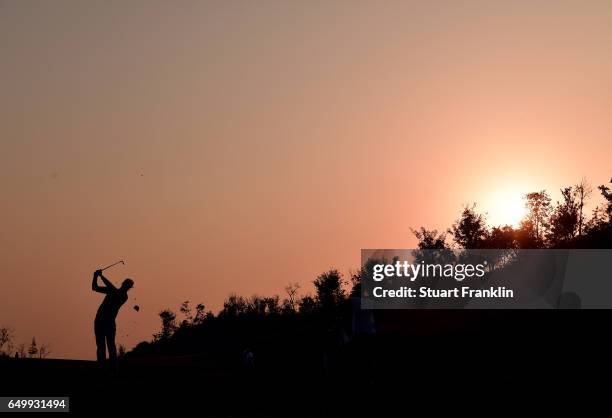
(506,208)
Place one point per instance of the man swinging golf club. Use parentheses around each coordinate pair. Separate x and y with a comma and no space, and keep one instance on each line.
(104,325)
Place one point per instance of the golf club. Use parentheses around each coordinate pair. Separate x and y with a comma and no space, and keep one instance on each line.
(114,264)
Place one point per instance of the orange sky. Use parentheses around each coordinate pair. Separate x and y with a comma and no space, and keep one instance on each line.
(240,146)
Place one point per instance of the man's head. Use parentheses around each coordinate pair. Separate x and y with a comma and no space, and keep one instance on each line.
(127,284)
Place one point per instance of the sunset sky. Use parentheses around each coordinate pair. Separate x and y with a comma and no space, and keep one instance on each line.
(238,146)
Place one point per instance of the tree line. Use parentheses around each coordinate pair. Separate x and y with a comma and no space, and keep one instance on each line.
(22,350)
(323,319)
(564,224)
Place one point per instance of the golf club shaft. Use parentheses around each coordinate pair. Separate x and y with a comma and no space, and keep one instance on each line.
(114,264)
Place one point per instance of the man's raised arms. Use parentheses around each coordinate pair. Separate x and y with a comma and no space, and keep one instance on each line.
(101,289)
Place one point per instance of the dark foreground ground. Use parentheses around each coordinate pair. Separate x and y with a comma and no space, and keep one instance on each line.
(545,360)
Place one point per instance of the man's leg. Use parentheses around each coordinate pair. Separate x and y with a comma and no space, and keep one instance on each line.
(110,341)
(100,342)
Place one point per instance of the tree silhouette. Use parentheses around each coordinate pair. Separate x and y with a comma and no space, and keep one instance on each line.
(185,309)
(583,192)
(607,194)
(6,339)
(470,230)
(538,207)
(44,351)
(168,319)
(234,306)
(271,304)
(430,239)
(200,314)
(330,292)
(432,248)
(502,237)
(307,305)
(565,218)
(21,350)
(33,349)
(289,304)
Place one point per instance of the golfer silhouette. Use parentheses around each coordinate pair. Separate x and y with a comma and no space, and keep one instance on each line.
(104,324)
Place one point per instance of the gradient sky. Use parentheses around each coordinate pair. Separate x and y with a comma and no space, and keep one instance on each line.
(239,146)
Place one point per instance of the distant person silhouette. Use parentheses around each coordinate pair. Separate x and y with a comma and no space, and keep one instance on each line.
(104,325)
